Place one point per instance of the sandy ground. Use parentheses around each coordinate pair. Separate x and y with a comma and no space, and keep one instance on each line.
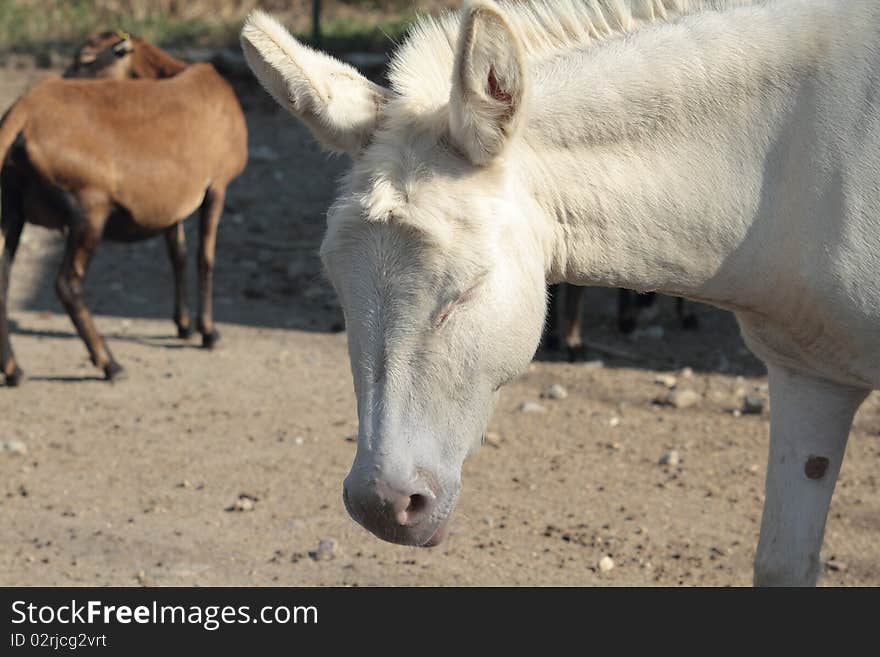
(136,483)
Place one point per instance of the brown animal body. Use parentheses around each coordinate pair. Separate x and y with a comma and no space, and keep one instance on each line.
(122,160)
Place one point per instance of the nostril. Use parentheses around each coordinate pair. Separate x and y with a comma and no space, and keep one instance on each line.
(417,507)
(417,504)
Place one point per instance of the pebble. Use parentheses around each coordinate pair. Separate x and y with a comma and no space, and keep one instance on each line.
(686,373)
(753,405)
(614,422)
(327,549)
(593,364)
(243,503)
(532,407)
(556,391)
(670,458)
(14,447)
(666,380)
(683,398)
(606,564)
(493,438)
(298,440)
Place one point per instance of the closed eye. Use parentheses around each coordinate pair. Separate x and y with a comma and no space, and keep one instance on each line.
(446,312)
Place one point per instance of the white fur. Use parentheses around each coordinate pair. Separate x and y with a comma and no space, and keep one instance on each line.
(725,151)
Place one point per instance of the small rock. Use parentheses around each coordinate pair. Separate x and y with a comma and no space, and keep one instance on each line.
(753,405)
(556,391)
(670,458)
(736,412)
(686,373)
(493,438)
(244,502)
(593,364)
(606,564)
(683,398)
(145,580)
(835,566)
(327,549)
(614,422)
(14,447)
(666,380)
(298,440)
(532,407)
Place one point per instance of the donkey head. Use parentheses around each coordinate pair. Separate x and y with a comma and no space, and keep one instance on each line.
(439,271)
(103,55)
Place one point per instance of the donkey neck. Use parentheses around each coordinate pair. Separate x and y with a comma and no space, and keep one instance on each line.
(152,62)
(649,156)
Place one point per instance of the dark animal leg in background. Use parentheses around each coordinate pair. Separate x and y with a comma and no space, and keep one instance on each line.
(83,238)
(551,333)
(689,321)
(175,240)
(212,208)
(570,322)
(627,313)
(11,224)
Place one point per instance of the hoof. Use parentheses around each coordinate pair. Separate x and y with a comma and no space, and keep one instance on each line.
(626,325)
(690,323)
(210,340)
(184,332)
(113,371)
(16,378)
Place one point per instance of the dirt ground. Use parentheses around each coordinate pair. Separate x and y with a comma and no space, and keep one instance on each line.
(137,483)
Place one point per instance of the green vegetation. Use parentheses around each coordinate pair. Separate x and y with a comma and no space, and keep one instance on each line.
(36,26)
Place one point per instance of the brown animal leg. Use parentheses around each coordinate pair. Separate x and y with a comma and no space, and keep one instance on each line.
(212,208)
(175,240)
(11,224)
(571,314)
(83,237)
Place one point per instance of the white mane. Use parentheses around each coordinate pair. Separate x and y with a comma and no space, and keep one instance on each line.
(421,70)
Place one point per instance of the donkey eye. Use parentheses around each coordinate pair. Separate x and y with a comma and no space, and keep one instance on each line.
(446,312)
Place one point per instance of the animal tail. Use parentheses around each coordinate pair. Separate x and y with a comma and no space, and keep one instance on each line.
(11,125)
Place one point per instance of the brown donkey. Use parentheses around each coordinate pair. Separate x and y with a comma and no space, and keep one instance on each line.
(122,160)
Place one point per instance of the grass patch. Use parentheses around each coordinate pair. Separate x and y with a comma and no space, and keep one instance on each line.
(39,26)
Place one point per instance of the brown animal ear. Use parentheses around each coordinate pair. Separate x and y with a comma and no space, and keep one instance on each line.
(489,83)
(123,48)
(341,106)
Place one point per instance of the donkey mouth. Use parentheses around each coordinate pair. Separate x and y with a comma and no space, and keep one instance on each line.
(439,536)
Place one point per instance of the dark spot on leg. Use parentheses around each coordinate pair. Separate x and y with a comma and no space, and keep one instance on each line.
(816,467)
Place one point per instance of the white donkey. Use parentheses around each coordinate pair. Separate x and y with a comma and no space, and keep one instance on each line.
(727,152)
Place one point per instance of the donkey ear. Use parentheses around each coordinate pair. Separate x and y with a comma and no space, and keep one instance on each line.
(488,85)
(341,106)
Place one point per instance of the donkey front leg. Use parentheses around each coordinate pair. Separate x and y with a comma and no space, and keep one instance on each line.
(83,238)
(810,422)
(212,208)
(175,240)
